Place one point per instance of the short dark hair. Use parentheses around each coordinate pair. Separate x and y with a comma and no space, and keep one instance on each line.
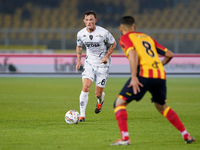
(90,12)
(127,20)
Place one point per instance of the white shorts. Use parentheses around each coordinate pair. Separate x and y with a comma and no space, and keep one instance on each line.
(99,74)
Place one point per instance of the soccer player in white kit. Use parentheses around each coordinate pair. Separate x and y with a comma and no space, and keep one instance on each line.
(96,66)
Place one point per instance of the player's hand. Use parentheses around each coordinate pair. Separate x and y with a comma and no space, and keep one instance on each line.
(78,65)
(104,60)
(135,84)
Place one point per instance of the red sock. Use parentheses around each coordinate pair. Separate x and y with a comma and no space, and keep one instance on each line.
(121,117)
(173,119)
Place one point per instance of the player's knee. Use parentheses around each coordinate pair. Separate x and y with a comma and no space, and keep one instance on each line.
(160,108)
(119,102)
(86,88)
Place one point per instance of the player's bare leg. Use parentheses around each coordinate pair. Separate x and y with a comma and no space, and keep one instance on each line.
(99,92)
(121,117)
(84,97)
(100,95)
(175,121)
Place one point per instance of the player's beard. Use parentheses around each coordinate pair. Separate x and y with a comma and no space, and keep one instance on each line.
(91,29)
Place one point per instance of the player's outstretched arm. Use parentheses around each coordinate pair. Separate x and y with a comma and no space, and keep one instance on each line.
(168,56)
(79,53)
(111,49)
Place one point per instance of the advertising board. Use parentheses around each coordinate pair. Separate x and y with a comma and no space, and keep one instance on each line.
(62,63)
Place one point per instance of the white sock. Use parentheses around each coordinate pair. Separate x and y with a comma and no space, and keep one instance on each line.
(124,134)
(101,98)
(183,133)
(83,102)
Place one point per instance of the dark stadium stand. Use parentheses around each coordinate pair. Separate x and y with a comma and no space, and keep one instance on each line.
(170,14)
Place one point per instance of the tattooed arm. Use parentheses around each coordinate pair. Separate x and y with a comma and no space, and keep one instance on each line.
(79,53)
(112,47)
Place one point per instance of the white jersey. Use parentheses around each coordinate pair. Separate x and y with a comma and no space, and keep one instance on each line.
(96,44)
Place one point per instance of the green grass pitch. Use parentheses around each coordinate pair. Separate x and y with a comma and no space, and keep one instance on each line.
(32,116)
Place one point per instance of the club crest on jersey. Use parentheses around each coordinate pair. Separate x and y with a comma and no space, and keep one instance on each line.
(91,37)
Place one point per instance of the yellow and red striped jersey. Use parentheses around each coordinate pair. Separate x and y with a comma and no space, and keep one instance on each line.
(147,49)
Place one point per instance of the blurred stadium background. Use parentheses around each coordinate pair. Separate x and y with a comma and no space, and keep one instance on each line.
(53,24)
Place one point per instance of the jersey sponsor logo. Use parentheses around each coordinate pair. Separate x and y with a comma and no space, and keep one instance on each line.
(84,35)
(91,44)
(99,36)
(155,64)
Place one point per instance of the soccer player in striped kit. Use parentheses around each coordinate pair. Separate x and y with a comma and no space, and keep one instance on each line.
(147,74)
